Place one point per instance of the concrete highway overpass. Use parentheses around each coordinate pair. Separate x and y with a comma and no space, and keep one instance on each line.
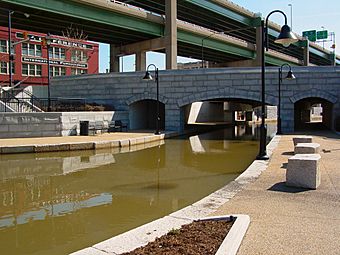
(190,28)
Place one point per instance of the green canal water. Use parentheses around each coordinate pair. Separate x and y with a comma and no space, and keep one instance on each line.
(57,203)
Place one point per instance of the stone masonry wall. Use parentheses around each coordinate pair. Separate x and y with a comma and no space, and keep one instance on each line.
(181,87)
(44,124)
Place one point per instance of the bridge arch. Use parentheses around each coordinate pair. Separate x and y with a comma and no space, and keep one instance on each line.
(225,93)
(314,93)
(146,96)
(313,109)
(143,113)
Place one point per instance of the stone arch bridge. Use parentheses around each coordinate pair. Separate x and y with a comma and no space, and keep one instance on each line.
(179,88)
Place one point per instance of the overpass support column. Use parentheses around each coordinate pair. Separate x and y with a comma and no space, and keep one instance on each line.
(114,59)
(259,40)
(141,61)
(171,33)
(306,54)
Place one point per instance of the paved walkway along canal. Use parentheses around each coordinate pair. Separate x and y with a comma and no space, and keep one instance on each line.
(69,143)
(289,220)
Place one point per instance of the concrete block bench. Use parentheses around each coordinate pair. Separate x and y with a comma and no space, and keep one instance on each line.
(303,171)
(302,139)
(306,148)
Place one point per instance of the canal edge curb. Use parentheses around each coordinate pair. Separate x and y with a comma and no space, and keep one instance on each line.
(148,232)
(127,143)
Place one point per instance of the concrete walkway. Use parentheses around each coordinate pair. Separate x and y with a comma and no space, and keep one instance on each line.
(291,220)
(73,139)
(124,140)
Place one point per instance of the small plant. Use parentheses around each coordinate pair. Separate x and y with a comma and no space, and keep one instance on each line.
(174,232)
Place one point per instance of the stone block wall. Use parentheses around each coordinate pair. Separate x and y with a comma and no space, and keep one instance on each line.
(179,88)
(29,124)
(51,124)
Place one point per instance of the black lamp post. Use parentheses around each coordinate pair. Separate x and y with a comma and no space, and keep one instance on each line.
(290,76)
(10,55)
(10,45)
(286,37)
(48,41)
(148,77)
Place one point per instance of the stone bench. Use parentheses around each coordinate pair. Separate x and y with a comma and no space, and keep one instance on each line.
(303,171)
(302,139)
(306,148)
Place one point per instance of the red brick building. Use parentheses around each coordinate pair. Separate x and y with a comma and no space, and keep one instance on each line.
(67,57)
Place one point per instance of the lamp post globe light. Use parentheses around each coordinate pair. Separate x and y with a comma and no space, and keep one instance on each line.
(286,37)
(290,76)
(148,77)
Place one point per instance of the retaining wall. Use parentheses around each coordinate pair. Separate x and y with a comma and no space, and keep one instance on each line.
(50,124)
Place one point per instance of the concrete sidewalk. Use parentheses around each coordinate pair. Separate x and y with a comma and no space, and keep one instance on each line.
(67,143)
(286,220)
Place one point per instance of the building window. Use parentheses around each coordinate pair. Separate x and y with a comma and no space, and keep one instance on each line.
(38,50)
(62,53)
(57,71)
(4,67)
(78,55)
(31,70)
(76,71)
(57,53)
(24,69)
(38,70)
(3,46)
(31,50)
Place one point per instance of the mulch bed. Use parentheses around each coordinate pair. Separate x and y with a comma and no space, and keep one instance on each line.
(196,238)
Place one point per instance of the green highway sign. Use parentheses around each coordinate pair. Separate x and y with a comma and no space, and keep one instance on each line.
(311,34)
(322,34)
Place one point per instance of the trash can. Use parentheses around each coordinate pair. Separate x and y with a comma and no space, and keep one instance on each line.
(84,127)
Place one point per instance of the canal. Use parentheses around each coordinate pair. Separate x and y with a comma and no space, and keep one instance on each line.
(57,203)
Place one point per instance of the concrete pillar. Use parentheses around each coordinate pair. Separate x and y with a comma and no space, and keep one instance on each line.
(259,41)
(306,54)
(141,61)
(333,58)
(229,116)
(171,33)
(114,59)
(249,115)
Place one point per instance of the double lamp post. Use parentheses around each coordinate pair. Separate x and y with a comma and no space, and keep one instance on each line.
(286,37)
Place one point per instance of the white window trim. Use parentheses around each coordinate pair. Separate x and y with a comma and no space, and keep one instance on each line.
(28,50)
(58,68)
(78,71)
(59,55)
(29,69)
(7,67)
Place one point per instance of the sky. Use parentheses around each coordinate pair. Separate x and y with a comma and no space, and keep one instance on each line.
(307,15)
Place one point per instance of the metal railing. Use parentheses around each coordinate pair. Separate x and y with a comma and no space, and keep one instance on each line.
(24,101)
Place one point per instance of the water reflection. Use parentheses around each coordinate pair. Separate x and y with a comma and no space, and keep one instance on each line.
(55,203)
